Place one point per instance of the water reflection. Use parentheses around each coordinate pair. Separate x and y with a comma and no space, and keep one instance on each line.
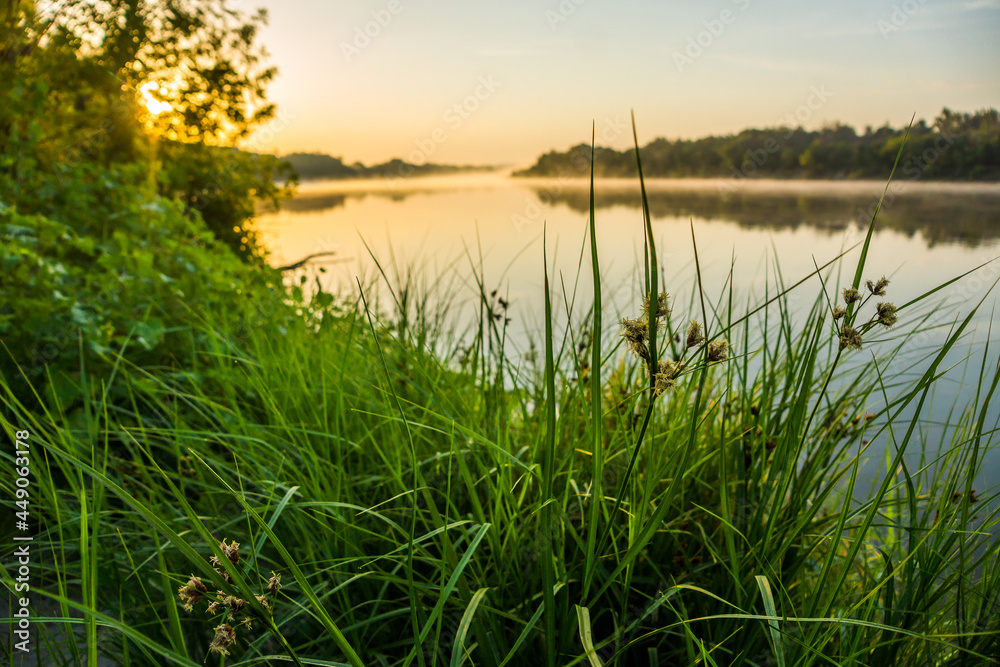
(968,214)
(939,215)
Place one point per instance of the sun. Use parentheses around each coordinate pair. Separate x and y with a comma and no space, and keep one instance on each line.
(153,105)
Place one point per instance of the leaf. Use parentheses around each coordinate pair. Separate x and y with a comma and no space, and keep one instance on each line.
(765,593)
(149,334)
(458,652)
(583,623)
(79,315)
(323,299)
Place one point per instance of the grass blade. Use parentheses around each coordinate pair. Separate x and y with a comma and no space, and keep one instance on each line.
(586,638)
(772,612)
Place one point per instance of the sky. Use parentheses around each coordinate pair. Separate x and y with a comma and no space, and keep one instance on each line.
(502,81)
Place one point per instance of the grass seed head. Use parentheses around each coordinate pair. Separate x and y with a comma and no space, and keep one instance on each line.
(839,312)
(225,637)
(235,604)
(232,551)
(851,295)
(666,377)
(192,592)
(661,306)
(273,584)
(886,313)
(718,350)
(850,338)
(878,287)
(531,356)
(694,334)
(635,333)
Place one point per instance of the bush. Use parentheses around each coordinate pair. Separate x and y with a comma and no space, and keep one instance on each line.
(128,273)
(225,186)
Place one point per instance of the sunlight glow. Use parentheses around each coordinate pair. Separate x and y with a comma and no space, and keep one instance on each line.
(153,105)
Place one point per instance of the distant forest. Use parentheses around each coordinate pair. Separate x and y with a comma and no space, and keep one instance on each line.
(957,146)
(319,165)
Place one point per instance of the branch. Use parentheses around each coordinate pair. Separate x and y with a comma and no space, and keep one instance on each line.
(305,260)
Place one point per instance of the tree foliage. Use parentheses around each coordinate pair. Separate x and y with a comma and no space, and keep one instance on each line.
(199,59)
(170,84)
(115,220)
(957,146)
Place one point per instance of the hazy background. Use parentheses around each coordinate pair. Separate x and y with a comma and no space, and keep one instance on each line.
(688,69)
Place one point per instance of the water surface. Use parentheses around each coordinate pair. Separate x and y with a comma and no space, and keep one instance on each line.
(927,232)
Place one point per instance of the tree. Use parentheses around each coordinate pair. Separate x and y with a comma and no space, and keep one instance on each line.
(104,82)
(195,65)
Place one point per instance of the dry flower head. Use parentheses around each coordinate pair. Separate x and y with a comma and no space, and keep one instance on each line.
(273,584)
(694,334)
(232,551)
(661,306)
(192,592)
(718,350)
(886,313)
(225,637)
(878,287)
(635,333)
(850,338)
(667,375)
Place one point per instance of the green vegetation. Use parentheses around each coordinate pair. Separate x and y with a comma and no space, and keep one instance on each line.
(957,146)
(319,165)
(232,468)
(79,88)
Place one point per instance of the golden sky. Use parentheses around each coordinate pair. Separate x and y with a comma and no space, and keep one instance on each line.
(500,82)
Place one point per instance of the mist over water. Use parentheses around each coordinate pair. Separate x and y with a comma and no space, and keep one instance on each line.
(926,234)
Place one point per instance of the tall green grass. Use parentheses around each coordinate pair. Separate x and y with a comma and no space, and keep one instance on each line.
(422,510)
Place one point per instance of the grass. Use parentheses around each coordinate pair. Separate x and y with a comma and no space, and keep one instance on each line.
(636,501)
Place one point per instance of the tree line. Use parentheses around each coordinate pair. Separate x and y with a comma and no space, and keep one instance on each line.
(309,166)
(956,146)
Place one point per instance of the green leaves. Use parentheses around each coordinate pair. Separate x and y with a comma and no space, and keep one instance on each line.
(138,287)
